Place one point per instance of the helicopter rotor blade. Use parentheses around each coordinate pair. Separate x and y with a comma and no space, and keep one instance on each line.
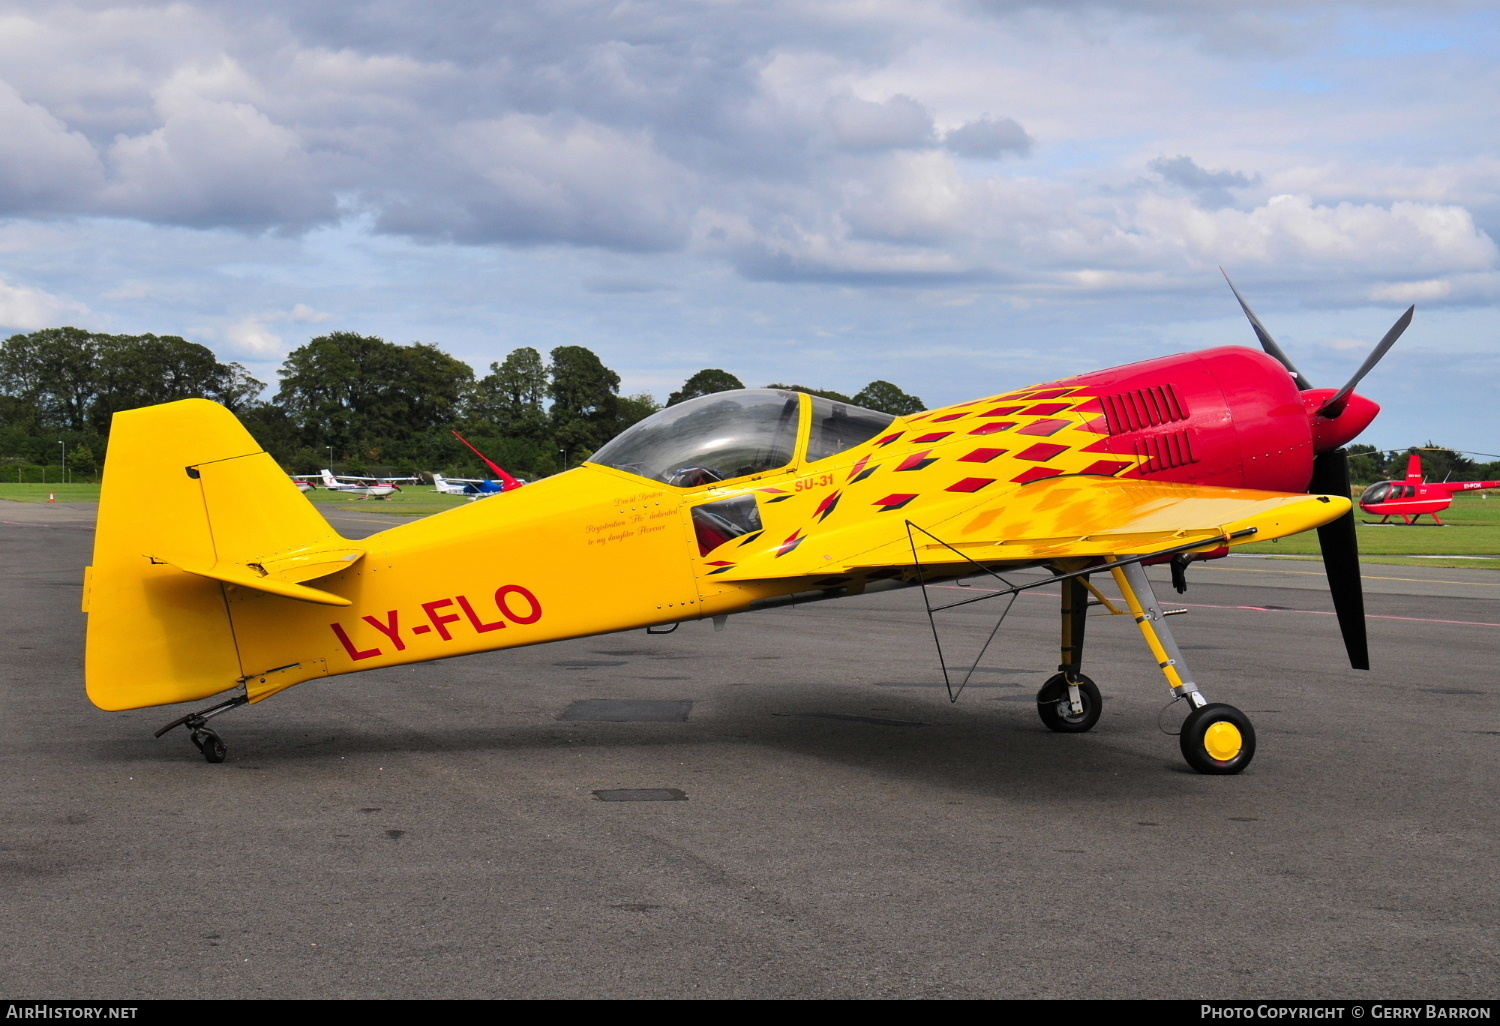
(1341,557)
(1335,406)
(1266,341)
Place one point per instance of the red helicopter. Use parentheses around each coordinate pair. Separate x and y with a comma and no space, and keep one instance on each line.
(1413,497)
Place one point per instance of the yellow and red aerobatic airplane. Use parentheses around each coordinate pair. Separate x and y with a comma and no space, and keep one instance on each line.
(221,577)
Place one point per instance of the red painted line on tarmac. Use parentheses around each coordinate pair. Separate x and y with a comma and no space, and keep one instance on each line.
(1368,616)
(1255,609)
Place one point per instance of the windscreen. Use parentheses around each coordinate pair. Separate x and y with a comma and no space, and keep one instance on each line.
(1378,493)
(711,438)
(838,426)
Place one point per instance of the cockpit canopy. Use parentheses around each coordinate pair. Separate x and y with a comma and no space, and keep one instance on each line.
(1386,491)
(735,434)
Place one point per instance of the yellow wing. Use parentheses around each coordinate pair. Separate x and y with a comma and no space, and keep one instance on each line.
(1052,519)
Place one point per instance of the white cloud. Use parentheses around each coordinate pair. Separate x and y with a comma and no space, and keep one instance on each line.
(304,314)
(987,137)
(43,165)
(863,125)
(23,308)
(252,339)
(813,132)
(530,179)
(771,166)
(1411,291)
(214,161)
(1294,232)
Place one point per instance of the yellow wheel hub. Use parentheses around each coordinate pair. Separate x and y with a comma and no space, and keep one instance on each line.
(1223,741)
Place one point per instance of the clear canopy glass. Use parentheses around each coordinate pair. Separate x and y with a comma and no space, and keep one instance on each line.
(838,426)
(711,438)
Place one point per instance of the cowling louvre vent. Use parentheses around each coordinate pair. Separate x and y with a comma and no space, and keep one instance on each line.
(1164,451)
(1142,408)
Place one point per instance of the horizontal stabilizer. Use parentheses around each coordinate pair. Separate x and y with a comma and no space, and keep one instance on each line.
(248,577)
(307,564)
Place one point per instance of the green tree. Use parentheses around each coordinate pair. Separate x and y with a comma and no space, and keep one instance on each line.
(238,389)
(68,379)
(1366,464)
(705,382)
(509,398)
(360,392)
(632,409)
(1440,464)
(836,396)
(584,396)
(274,430)
(144,370)
(53,373)
(887,398)
(82,460)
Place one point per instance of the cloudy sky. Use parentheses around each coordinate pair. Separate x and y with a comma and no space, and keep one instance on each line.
(960,196)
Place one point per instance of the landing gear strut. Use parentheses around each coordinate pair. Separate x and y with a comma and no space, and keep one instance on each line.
(1215,738)
(1069,703)
(203,736)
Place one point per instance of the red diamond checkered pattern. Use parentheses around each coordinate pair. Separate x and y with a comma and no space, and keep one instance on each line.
(1041,452)
(1043,427)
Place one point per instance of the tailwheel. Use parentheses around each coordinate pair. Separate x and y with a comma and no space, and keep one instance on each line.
(1217,738)
(210,744)
(1055,706)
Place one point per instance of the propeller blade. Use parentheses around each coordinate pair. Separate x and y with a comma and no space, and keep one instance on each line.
(1335,406)
(1266,341)
(1341,557)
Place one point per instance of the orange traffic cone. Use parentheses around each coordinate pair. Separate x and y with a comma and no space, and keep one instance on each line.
(51,496)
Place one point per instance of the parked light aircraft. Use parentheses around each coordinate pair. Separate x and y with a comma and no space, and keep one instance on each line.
(477,487)
(370,487)
(220,578)
(1415,496)
(473,487)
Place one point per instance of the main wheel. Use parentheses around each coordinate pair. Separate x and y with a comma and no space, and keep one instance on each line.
(1056,711)
(1217,738)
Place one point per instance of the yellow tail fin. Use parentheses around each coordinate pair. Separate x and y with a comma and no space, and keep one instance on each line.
(191,505)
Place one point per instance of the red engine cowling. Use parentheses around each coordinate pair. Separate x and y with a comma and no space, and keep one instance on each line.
(1229,416)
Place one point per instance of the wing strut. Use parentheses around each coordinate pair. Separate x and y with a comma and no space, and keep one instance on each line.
(1010,589)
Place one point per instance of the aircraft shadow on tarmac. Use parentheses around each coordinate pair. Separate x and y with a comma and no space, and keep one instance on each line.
(994,748)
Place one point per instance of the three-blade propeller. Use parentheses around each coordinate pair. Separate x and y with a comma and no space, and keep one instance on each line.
(1335,406)
(1330,476)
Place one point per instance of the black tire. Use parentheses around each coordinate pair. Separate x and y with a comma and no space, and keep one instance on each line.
(212,746)
(1217,739)
(1053,707)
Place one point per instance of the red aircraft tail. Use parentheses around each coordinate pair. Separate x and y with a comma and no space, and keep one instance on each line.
(1414,469)
(507,481)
